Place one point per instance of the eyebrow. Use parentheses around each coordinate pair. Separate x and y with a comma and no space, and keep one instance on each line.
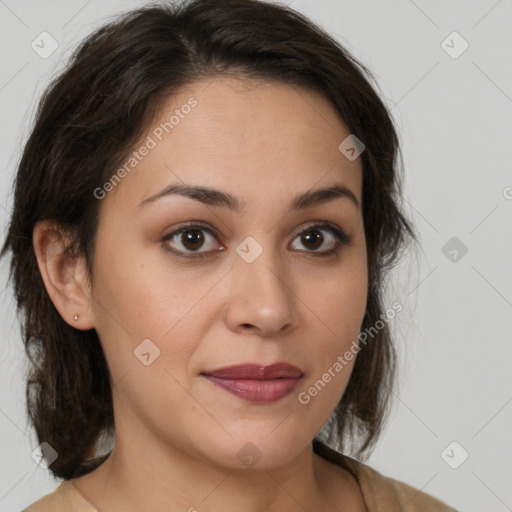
(214,197)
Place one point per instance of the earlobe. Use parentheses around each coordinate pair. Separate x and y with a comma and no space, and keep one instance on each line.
(64,277)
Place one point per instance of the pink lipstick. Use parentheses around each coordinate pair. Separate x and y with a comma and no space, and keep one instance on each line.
(257,383)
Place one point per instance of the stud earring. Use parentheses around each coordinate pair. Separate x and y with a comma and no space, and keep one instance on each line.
(75,317)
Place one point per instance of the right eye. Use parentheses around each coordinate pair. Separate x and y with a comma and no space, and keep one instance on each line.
(189,239)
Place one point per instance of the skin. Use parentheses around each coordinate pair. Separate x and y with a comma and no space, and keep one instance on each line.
(177,434)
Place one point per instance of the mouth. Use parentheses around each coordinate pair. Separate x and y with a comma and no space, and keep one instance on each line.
(257,383)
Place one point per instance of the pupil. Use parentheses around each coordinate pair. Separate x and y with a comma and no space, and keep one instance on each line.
(317,236)
(192,237)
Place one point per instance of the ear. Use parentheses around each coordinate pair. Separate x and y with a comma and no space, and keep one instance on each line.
(65,278)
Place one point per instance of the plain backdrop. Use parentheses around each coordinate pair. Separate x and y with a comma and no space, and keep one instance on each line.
(451,96)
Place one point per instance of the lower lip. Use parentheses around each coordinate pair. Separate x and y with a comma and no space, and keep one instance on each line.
(261,391)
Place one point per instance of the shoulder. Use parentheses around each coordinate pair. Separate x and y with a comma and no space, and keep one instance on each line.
(379,489)
(65,498)
(382,493)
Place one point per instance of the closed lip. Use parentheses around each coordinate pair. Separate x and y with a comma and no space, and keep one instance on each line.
(256,371)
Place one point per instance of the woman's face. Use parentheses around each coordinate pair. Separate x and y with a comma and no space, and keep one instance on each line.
(250,283)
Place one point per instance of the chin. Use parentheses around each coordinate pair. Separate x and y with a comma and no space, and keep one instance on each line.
(258,451)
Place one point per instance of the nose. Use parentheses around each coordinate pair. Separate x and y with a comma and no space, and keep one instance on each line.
(261,298)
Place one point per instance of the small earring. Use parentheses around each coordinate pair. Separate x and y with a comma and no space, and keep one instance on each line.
(75,317)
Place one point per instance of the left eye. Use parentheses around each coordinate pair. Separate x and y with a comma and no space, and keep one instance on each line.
(313,239)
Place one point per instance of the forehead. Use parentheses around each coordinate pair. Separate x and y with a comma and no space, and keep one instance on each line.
(250,138)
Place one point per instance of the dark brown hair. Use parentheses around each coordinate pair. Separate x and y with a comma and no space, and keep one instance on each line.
(89,119)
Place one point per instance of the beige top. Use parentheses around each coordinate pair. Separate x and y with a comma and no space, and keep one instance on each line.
(380,493)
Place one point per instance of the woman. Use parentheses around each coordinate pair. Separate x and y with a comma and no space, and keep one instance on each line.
(204,216)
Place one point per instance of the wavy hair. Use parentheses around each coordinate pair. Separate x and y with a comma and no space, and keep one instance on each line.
(88,120)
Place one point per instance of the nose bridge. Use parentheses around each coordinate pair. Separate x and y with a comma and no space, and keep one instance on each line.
(263,292)
(261,259)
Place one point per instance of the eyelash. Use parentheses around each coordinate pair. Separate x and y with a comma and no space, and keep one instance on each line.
(341,239)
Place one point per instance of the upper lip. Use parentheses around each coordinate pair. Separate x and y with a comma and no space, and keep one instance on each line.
(257,371)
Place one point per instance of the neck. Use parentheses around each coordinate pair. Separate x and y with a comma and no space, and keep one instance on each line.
(143,474)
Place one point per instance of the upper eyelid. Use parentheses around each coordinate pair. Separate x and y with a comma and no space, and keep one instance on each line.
(191,225)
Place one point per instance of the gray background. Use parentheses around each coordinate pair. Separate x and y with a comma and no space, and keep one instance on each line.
(454,338)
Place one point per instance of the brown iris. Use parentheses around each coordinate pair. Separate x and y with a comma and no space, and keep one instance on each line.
(192,239)
(312,236)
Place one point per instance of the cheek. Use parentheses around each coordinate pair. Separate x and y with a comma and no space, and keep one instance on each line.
(339,300)
(147,329)
(338,305)
(136,301)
